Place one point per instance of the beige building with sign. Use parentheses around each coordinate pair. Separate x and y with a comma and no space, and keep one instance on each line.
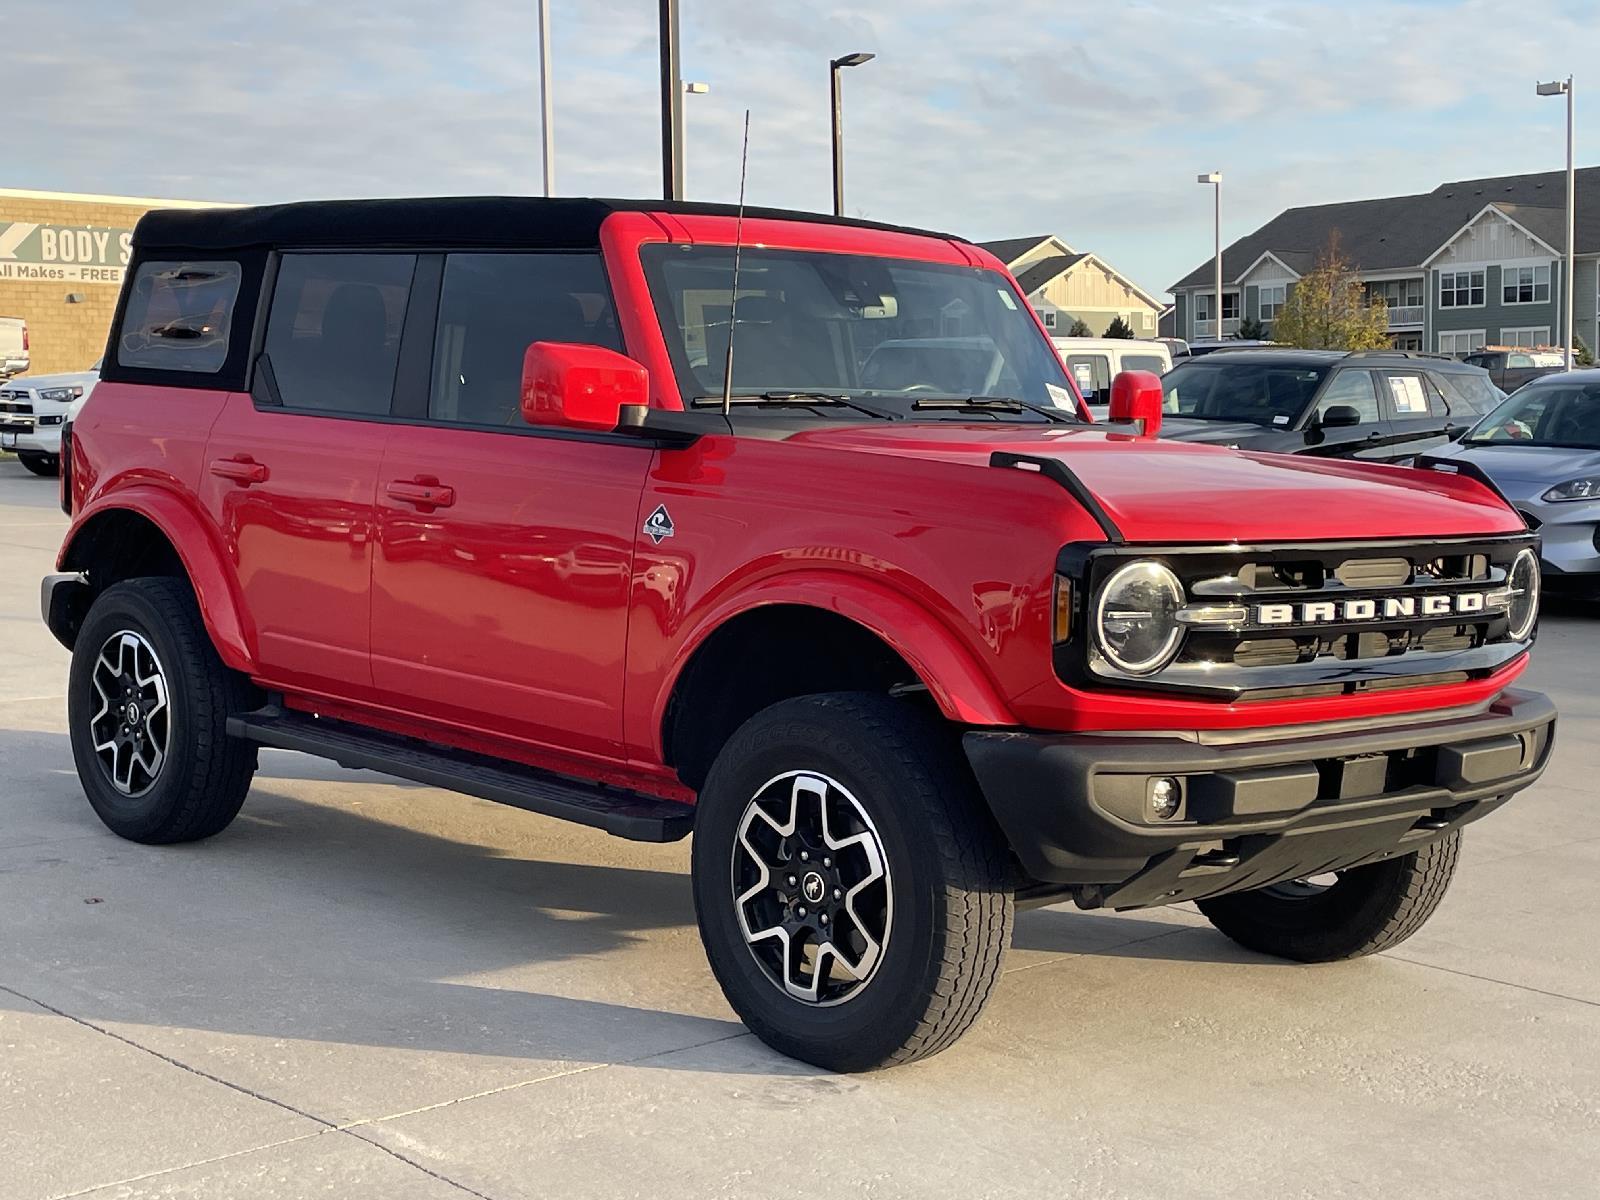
(62,257)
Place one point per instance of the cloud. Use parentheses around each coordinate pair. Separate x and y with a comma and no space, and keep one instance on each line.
(1087,120)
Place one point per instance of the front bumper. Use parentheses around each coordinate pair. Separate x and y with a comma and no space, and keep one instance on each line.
(1256,808)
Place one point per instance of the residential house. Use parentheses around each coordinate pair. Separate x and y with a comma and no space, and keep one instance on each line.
(1065,285)
(1470,263)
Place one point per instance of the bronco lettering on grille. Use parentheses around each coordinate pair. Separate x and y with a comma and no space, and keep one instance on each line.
(1384,608)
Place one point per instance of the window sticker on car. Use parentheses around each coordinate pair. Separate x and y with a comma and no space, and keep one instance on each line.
(1406,391)
(1280,418)
(1059,396)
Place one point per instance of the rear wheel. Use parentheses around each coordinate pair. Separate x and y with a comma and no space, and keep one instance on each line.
(850,885)
(148,704)
(39,464)
(1343,915)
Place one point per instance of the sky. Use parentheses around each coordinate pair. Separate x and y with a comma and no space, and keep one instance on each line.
(1085,119)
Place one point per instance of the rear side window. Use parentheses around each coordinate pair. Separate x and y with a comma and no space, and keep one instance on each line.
(491,306)
(178,316)
(1091,372)
(333,334)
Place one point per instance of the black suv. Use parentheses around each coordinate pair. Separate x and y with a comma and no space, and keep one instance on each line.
(1382,405)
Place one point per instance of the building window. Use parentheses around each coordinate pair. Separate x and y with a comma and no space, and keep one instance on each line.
(1048,316)
(1272,298)
(1461,341)
(1531,335)
(1461,289)
(1525,285)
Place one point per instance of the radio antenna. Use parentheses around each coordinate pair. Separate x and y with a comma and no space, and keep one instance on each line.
(733,299)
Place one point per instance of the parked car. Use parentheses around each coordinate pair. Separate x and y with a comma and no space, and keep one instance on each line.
(1381,405)
(1094,362)
(1510,366)
(33,412)
(1542,449)
(459,490)
(1211,346)
(1176,347)
(14,356)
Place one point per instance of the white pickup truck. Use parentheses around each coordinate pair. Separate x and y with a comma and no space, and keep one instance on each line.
(33,410)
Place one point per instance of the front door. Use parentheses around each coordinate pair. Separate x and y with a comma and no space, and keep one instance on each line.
(502,571)
(1358,429)
(291,472)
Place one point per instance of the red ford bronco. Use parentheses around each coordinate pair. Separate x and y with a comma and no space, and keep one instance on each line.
(462,490)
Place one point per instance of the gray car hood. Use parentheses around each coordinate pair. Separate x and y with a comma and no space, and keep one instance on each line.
(1528,464)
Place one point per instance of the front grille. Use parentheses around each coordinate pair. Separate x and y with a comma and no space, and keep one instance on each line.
(15,402)
(1319,619)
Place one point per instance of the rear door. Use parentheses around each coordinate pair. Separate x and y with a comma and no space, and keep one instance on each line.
(502,572)
(292,470)
(1417,411)
(1352,388)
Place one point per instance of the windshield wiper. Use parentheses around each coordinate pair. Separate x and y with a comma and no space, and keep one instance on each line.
(996,404)
(798,399)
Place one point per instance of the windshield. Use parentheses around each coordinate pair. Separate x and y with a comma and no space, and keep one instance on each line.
(894,331)
(1552,414)
(1261,393)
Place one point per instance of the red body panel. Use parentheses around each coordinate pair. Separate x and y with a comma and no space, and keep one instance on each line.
(496,591)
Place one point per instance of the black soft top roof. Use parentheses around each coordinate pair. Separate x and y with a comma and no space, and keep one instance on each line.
(445,221)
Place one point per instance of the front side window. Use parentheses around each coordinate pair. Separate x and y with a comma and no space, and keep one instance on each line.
(1350,389)
(179,316)
(1261,393)
(1544,414)
(1525,285)
(1460,289)
(491,306)
(333,335)
(848,325)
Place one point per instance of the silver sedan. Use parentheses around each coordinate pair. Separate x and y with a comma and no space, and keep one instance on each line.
(1542,449)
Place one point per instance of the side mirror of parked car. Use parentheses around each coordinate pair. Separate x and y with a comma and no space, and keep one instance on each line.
(576,386)
(1136,398)
(1340,416)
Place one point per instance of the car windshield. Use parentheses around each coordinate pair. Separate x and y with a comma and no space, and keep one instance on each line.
(1260,393)
(1544,414)
(893,332)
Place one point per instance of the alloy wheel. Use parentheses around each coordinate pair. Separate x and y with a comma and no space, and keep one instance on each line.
(811,887)
(131,728)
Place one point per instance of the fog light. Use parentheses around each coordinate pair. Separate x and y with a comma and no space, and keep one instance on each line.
(1166,797)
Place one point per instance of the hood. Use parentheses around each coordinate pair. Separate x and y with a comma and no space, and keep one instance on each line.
(1218,433)
(1529,464)
(1161,491)
(34,383)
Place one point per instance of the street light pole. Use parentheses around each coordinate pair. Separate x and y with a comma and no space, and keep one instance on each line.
(671,105)
(1563,87)
(1215,178)
(847,60)
(690,89)
(547,125)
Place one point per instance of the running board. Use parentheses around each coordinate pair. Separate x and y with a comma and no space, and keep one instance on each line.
(623,813)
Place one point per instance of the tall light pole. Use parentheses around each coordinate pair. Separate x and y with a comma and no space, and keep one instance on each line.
(1563,87)
(1215,178)
(547,106)
(847,60)
(671,105)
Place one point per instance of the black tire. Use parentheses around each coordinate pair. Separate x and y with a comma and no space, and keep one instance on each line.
(947,879)
(1367,909)
(199,785)
(39,464)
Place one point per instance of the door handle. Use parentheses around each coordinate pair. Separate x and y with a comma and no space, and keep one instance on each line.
(242,469)
(423,493)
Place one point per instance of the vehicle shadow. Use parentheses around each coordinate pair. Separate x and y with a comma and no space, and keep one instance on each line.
(344,909)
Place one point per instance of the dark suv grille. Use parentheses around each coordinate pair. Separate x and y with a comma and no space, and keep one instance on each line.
(1317,620)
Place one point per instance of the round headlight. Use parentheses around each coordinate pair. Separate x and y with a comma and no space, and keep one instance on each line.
(1136,617)
(1523,580)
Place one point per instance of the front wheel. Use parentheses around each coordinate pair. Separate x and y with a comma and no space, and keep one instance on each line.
(1355,912)
(39,464)
(850,885)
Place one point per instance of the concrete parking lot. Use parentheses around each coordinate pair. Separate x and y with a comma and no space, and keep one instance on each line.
(369,988)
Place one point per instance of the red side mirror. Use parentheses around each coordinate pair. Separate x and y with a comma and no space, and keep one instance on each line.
(578,386)
(1136,397)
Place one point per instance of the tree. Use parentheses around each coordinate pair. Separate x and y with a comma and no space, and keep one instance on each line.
(1329,310)
(1079,329)
(1252,330)
(1581,354)
(1119,328)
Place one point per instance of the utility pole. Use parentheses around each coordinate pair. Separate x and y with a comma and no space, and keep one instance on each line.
(1563,87)
(548,123)
(1215,178)
(671,105)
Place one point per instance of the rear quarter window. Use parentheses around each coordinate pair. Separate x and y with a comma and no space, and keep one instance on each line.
(179,316)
